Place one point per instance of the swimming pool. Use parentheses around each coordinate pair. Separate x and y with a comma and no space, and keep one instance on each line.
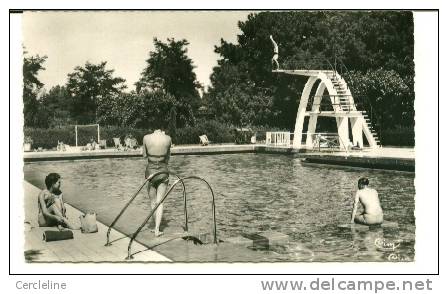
(257,193)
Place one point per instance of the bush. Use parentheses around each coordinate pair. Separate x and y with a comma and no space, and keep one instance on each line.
(216,132)
(398,136)
(48,138)
(242,136)
(110,132)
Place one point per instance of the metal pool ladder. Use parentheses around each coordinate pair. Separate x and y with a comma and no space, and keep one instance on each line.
(179,180)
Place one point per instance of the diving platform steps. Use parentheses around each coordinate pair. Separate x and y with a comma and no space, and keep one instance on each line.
(347,105)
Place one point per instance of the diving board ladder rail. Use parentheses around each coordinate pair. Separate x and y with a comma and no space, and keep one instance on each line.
(148,179)
(181,180)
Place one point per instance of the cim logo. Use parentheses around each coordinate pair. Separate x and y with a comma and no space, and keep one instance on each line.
(385,245)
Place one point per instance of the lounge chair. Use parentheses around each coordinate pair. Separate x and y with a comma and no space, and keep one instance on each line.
(117,143)
(204,140)
(130,143)
(61,146)
(102,144)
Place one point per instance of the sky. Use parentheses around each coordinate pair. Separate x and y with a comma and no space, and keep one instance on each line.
(123,39)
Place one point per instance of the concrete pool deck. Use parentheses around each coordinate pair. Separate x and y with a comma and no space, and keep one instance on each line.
(170,247)
(83,247)
(392,158)
(114,153)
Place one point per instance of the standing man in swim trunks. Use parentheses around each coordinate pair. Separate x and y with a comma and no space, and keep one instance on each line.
(373,214)
(275,57)
(156,148)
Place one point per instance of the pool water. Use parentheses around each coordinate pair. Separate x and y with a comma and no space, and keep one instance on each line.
(264,192)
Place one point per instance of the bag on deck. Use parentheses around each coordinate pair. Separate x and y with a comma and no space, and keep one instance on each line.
(88,223)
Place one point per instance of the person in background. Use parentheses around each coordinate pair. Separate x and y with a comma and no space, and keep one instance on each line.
(92,145)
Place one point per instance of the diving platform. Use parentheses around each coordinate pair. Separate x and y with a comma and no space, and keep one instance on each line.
(334,113)
(352,123)
(301,72)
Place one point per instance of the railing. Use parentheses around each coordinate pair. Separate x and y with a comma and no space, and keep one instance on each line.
(318,63)
(278,138)
(310,64)
(180,180)
(373,116)
(340,66)
(108,243)
(368,105)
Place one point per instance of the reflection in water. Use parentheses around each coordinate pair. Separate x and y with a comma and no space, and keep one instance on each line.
(263,192)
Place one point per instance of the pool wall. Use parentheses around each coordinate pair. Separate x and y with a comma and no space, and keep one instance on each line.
(401,159)
(399,164)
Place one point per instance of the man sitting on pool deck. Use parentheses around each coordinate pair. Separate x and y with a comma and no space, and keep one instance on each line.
(373,214)
(156,148)
(51,205)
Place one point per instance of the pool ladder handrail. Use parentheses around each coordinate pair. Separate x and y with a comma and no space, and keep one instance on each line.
(108,243)
(215,238)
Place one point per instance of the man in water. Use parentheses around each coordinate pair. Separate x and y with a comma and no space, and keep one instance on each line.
(372,214)
(156,148)
(51,205)
(275,57)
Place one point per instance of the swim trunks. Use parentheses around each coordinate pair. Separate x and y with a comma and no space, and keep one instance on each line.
(50,200)
(154,167)
(369,219)
(41,219)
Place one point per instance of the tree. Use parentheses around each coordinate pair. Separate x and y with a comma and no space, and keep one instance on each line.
(56,104)
(31,87)
(169,69)
(146,110)
(91,88)
(384,95)
(235,99)
(172,124)
(126,109)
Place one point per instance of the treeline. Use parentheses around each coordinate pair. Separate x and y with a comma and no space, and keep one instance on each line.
(49,137)
(376,47)
(166,93)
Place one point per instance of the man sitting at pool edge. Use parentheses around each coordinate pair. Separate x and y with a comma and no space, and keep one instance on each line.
(51,205)
(372,214)
(156,148)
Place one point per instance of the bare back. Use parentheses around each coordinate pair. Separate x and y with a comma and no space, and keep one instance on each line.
(370,200)
(156,146)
